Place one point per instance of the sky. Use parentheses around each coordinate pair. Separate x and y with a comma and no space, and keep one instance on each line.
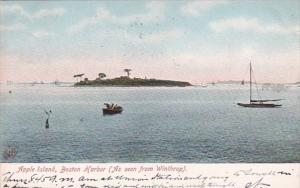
(194,41)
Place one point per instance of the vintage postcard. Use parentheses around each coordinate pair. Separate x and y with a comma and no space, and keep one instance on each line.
(150,87)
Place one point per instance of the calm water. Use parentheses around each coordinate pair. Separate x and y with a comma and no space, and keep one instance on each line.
(190,124)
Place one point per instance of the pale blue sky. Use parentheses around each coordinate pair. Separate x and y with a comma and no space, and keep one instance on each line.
(196,41)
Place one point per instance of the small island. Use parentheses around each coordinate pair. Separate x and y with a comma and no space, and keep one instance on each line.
(126,81)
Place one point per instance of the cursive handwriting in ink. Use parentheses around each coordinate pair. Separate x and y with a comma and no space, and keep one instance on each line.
(29,177)
(9,177)
(284,173)
(87,186)
(130,179)
(257,184)
(83,178)
(36,178)
(250,172)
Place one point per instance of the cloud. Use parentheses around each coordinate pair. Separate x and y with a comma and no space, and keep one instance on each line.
(156,37)
(195,66)
(142,37)
(42,34)
(252,24)
(101,14)
(195,8)
(15,27)
(17,9)
(164,35)
(48,13)
(154,14)
(233,64)
(13,9)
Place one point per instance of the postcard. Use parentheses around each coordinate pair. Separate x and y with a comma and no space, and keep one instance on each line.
(150,94)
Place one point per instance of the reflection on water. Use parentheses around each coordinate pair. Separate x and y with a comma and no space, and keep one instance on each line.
(192,124)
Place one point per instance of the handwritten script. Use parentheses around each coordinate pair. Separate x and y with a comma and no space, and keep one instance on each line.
(148,176)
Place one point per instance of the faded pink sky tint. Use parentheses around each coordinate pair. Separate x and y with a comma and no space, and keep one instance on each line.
(195,41)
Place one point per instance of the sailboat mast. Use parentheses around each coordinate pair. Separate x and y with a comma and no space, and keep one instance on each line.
(250,82)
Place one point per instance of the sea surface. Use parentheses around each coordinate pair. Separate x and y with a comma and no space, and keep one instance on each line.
(158,124)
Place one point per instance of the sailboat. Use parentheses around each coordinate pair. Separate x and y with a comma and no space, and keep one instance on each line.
(258,103)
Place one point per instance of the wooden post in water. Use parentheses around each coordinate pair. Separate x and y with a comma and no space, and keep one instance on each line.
(47,123)
(250,82)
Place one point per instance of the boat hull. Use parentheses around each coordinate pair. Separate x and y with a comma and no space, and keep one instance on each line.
(112,111)
(258,105)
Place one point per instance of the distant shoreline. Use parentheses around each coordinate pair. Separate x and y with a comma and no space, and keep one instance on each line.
(204,83)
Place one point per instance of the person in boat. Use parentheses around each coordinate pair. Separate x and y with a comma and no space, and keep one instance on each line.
(107,105)
(115,106)
(111,106)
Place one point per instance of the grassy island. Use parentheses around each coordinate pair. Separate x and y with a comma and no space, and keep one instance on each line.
(131,82)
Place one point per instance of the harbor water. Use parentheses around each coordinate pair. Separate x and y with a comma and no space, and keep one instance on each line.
(158,124)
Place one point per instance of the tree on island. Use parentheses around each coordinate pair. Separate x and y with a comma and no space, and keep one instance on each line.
(78,76)
(128,72)
(101,75)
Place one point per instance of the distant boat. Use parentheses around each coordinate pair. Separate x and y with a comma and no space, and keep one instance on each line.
(9,82)
(243,82)
(112,109)
(203,85)
(258,103)
(56,82)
